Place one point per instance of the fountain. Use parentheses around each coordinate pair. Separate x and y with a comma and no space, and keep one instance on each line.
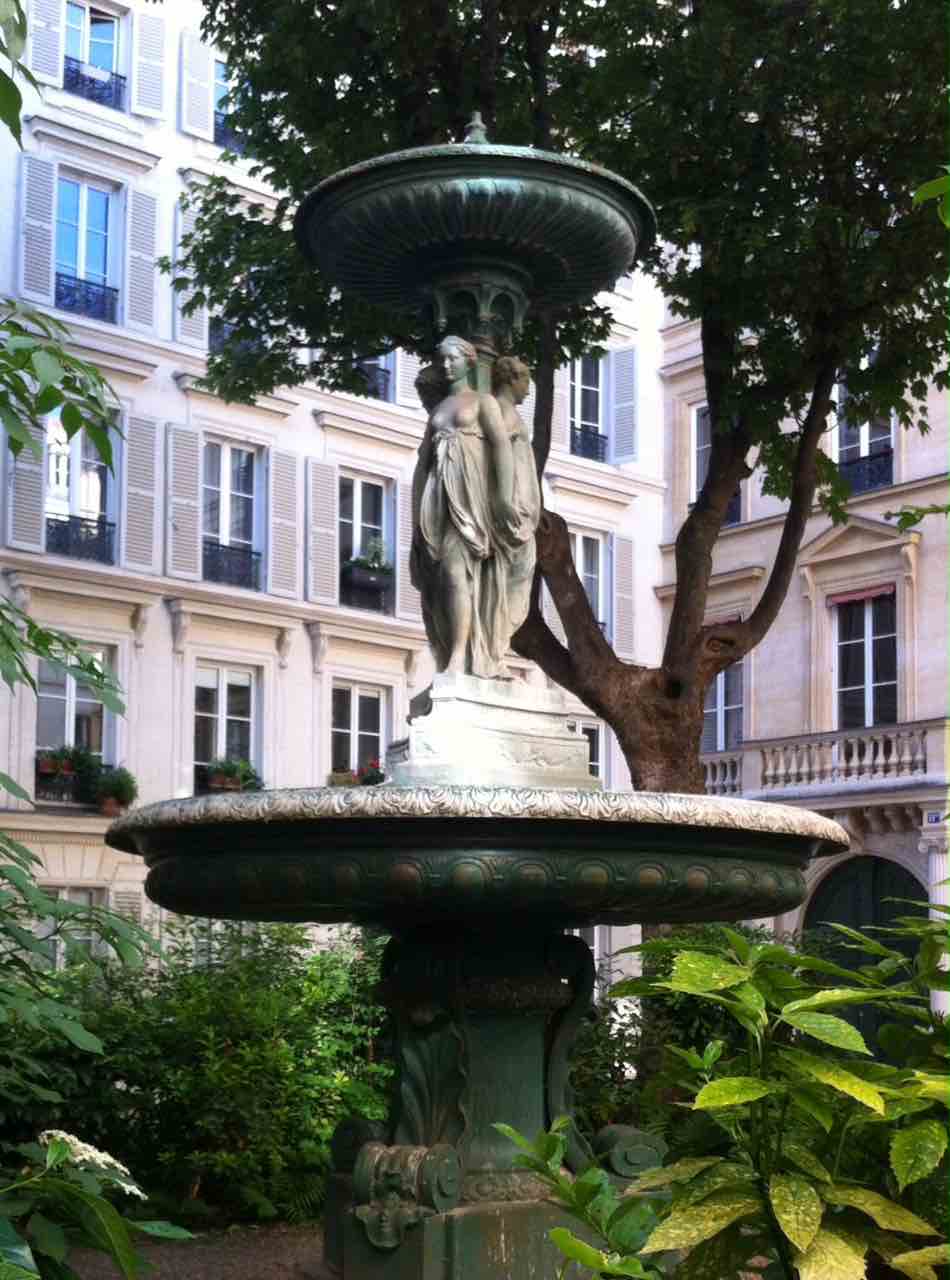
(490,839)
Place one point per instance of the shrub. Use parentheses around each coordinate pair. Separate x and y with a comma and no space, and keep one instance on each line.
(118,784)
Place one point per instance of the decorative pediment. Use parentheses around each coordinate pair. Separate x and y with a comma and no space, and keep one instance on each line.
(859,537)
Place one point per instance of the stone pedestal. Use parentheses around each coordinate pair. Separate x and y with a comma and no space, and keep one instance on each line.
(489,733)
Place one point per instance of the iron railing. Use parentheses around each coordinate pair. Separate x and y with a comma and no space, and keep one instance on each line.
(94,83)
(377,379)
(232,566)
(225,134)
(587,443)
(876,471)
(81,538)
(86,297)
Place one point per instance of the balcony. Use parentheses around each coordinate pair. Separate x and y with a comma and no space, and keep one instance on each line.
(722,773)
(876,471)
(587,443)
(86,297)
(55,788)
(231,566)
(81,538)
(225,135)
(94,83)
(363,588)
(377,379)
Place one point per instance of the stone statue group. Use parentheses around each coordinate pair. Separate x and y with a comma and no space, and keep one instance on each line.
(476,506)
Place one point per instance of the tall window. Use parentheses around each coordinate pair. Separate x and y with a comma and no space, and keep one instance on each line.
(867,662)
(70,713)
(586,408)
(357,733)
(83,254)
(224,132)
(366,576)
(224,717)
(587,550)
(81,935)
(702,431)
(722,713)
(227,515)
(865,450)
(77,497)
(592,731)
(92,36)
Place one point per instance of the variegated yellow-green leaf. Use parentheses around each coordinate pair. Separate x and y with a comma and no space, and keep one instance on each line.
(937,1255)
(723,1255)
(730,1092)
(831,1074)
(933,1086)
(829,1029)
(830,1256)
(887,1214)
(805,1160)
(889,1247)
(681,1171)
(694,971)
(797,1206)
(917,1150)
(725,1174)
(843,995)
(702,1221)
(809,1100)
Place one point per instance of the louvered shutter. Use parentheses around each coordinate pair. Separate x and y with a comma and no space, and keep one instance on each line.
(27,498)
(193,328)
(408,603)
(148,65)
(526,408)
(561,412)
(37,229)
(141,241)
(45,28)
(551,615)
(127,902)
(283,504)
(183,503)
(623,598)
(323,557)
(622,374)
(407,370)
(197,87)
(140,506)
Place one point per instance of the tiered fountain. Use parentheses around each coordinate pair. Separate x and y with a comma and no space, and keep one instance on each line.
(490,840)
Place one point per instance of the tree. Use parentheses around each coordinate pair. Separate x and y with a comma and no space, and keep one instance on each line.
(781,142)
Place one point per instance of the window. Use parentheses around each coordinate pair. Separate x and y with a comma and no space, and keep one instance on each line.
(224,132)
(90,67)
(81,933)
(84,213)
(68,714)
(366,574)
(587,550)
(377,371)
(592,731)
(722,713)
(702,435)
(227,516)
(224,718)
(865,450)
(356,737)
(586,408)
(78,498)
(867,661)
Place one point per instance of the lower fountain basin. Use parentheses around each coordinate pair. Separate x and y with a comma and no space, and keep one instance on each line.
(405,857)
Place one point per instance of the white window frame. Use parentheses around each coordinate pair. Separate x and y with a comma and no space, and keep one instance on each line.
(864,438)
(87,182)
(722,706)
(587,728)
(577,536)
(869,683)
(358,479)
(74,451)
(223,670)
(107,660)
(358,689)
(108,11)
(97,898)
(576,387)
(224,493)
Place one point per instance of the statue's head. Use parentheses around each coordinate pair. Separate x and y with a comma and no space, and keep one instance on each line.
(456,356)
(508,372)
(431,386)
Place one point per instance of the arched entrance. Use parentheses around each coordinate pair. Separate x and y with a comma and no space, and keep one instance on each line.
(857,894)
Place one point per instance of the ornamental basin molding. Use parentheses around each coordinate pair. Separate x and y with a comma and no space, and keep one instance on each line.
(434,857)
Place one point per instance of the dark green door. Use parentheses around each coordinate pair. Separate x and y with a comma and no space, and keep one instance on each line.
(856,894)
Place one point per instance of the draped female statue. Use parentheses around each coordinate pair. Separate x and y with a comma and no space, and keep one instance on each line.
(475,509)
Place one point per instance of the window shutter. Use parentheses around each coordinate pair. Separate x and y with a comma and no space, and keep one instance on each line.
(283,502)
(140,506)
(183,505)
(148,65)
(526,409)
(128,902)
(622,373)
(37,229)
(323,558)
(561,412)
(191,329)
(45,32)
(27,515)
(197,87)
(551,615)
(142,236)
(408,600)
(407,370)
(623,598)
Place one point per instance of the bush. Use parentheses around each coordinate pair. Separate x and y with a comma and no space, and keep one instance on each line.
(602,1078)
(223,1083)
(117,784)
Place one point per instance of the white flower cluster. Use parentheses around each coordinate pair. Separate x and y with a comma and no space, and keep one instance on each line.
(83,1154)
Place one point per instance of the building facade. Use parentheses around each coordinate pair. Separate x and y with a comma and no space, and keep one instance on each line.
(217,567)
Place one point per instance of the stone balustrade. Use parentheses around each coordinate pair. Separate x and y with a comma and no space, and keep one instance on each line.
(722,772)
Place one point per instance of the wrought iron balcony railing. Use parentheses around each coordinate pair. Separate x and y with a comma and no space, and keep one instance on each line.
(232,566)
(81,538)
(225,135)
(876,471)
(221,335)
(586,443)
(377,379)
(94,83)
(86,297)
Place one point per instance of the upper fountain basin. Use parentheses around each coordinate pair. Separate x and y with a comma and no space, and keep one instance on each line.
(405,856)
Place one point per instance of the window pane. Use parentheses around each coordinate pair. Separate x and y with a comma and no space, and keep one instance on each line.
(885,659)
(708,741)
(239,693)
(367,749)
(369,713)
(592,734)
(50,680)
(75,14)
(67,248)
(97,210)
(884,615)
(339,751)
(732,677)
(703,428)
(96,258)
(346,498)
(242,471)
(242,520)
(220,82)
(591,552)
(68,205)
(590,407)
(88,731)
(211,513)
(212,465)
(341,709)
(590,371)
(206,691)
(885,704)
(733,728)
(50,722)
(373,506)
(238,740)
(850,665)
(849,439)
(346,540)
(205,747)
(102,31)
(93,490)
(879,435)
(851,620)
(851,709)
(710,702)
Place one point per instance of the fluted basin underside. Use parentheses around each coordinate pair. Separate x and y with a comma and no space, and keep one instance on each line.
(405,857)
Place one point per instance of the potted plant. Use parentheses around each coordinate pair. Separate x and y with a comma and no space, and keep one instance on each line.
(370,570)
(86,766)
(233,775)
(55,760)
(116,789)
(342,778)
(370,774)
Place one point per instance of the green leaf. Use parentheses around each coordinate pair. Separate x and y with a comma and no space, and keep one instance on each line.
(8,784)
(695,973)
(14,1250)
(57,1153)
(681,1171)
(871,945)
(844,995)
(577,1250)
(48,1237)
(917,1150)
(804,1158)
(11,104)
(831,1256)
(103,1223)
(811,1101)
(703,1220)
(725,1174)
(731,1092)
(48,369)
(722,1256)
(937,1255)
(163,1230)
(933,1086)
(78,1034)
(797,1207)
(837,1077)
(887,1214)
(828,1029)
